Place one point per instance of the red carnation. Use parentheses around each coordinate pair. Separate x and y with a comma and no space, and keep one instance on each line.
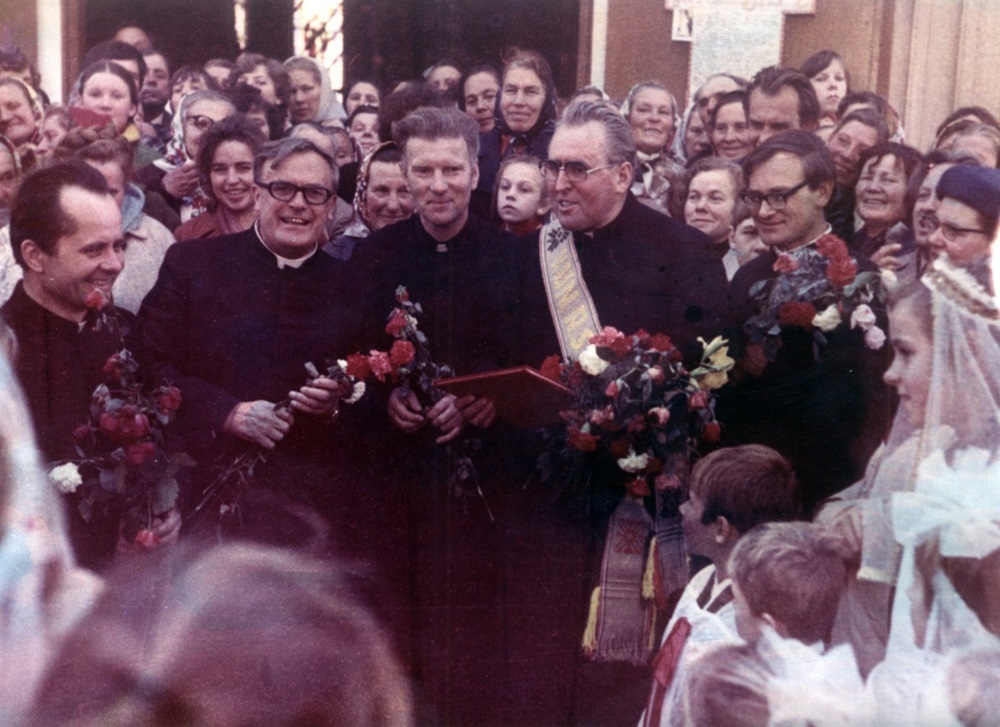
(397,322)
(96,300)
(357,366)
(168,400)
(785,264)
(638,487)
(380,365)
(642,338)
(712,432)
(581,440)
(401,353)
(613,339)
(797,314)
(841,272)
(831,246)
(133,425)
(552,368)
(661,342)
(140,452)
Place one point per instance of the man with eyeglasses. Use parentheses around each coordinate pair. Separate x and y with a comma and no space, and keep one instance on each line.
(821,404)
(233,321)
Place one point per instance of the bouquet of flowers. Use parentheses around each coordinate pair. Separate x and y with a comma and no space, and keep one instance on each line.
(818,288)
(123,467)
(636,404)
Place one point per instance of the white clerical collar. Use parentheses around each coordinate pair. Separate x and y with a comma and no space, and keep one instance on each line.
(284,262)
(827,231)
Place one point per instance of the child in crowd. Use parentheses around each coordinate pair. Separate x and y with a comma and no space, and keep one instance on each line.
(787,579)
(521,199)
(732,491)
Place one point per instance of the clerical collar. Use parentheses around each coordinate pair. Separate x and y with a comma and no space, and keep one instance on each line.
(827,231)
(643,157)
(284,262)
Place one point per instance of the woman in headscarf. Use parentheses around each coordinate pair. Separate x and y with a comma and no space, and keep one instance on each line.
(310,96)
(21,116)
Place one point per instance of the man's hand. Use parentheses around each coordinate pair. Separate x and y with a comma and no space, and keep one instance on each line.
(405,410)
(163,531)
(479,412)
(182,181)
(259,422)
(318,397)
(447,417)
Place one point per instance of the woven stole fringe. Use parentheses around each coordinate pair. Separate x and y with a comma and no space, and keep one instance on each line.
(570,304)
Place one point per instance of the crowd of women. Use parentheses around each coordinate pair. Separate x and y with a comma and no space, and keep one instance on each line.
(920,532)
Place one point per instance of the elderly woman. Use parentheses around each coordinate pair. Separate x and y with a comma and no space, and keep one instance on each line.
(310,96)
(881,200)
(651,112)
(479,95)
(20,113)
(225,168)
(712,204)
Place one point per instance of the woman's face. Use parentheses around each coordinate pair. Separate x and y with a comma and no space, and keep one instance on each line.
(522,100)
(231,176)
(364,131)
(709,205)
(480,99)
(519,195)
(305,96)
(730,135)
(108,94)
(926,206)
(361,94)
(260,78)
(183,87)
(389,199)
(880,191)
(199,117)
(17,118)
(695,138)
(910,372)
(651,116)
(8,178)
(830,85)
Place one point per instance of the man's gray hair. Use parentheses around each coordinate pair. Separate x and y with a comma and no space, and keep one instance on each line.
(432,124)
(618,135)
(276,152)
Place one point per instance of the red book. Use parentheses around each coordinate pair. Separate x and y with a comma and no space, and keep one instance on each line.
(522,395)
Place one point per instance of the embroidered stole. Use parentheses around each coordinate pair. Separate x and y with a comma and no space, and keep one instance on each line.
(570,304)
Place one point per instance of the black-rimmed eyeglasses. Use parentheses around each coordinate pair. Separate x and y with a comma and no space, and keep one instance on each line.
(775,200)
(950,232)
(286,191)
(576,172)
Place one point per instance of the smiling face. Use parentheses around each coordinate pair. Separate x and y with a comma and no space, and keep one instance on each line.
(730,135)
(362,93)
(108,94)
(441,176)
(880,193)
(89,259)
(231,176)
(305,96)
(801,220)
(389,199)
(830,85)
(651,116)
(17,119)
(709,205)
(260,78)
(480,95)
(293,229)
(364,131)
(522,99)
(519,194)
(596,201)
(926,205)
(846,145)
(913,355)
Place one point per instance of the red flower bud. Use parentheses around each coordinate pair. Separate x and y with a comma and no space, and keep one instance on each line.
(698,400)
(96,300)
(612,391)
(147,539)
(712,432)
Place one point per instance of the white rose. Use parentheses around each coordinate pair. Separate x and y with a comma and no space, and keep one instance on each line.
(634,462)
(828,319)
(357,391)
(66,477)
(342,364)
(591,362)
(862,316)
(874,338)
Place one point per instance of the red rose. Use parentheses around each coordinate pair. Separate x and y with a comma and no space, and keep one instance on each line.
(785,264)
(841,272)
(638,487)
(660,342)
(712,432)
(619,449)
(114,367)
(357,366)
(698,400)
(401,353)
(169,400)
(831,246)
(612,391)
(582,440)
(147,539)
(378,362)
(797,314)
(96,300)
(140,452)
(552,368)
(397,322)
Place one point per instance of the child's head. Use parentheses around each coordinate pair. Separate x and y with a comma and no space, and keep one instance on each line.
(789,576)
(727,687)
(521,195)
(734,489)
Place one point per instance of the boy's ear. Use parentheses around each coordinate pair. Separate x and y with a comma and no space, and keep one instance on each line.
(779,628)
(723,531)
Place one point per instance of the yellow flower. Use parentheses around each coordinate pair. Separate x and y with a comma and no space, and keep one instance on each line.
(714,364)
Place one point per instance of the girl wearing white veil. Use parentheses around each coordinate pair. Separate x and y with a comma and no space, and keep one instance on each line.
(42,593)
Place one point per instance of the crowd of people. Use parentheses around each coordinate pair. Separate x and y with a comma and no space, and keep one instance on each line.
(330,538)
